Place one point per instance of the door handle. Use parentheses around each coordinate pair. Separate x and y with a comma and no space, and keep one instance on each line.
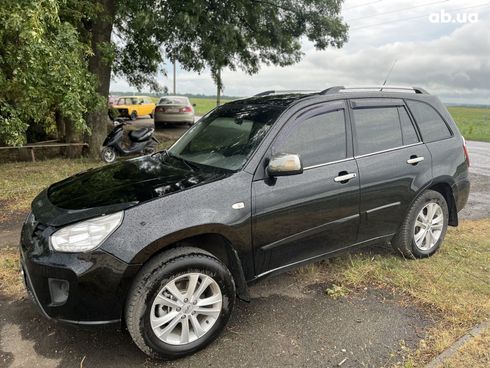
(344,178)
(414,160)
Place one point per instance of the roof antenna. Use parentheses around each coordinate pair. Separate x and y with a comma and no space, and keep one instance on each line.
(389,73)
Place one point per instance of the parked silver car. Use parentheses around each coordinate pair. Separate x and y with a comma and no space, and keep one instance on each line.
(174,109)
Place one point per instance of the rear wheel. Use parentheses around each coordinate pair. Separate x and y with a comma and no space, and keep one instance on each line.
(425,226)
(179,303)
(133,115)
(108,155)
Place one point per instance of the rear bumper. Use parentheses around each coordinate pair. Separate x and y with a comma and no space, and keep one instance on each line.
(80,288)
(162,117)
(461,191)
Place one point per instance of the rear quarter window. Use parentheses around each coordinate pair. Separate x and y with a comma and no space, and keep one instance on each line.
(430,123)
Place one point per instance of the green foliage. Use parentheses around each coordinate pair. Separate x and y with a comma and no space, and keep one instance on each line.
(214,34)
(337,291)
(43,70)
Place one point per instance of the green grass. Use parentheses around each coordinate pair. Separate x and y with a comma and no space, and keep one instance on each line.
(474,123)
(203,105)
(22,181)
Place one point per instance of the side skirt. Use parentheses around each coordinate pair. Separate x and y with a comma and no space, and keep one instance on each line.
(320,257)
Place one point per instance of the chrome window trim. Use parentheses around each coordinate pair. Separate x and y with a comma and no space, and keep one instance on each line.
(389,150)
(328,163)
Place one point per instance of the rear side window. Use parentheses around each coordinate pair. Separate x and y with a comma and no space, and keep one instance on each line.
(377,129)
(409,134)
(431,125)
(319,139)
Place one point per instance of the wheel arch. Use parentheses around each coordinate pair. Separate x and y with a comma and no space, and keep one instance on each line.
(442,185)
(216,243)
(446,190)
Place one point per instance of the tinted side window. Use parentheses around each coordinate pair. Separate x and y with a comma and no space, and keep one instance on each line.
(408,130)
(377,129)
(318,140)
(430,123)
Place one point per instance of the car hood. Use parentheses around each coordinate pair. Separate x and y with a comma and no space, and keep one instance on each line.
(115,187)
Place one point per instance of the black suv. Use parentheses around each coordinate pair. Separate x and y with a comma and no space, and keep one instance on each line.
(165,242)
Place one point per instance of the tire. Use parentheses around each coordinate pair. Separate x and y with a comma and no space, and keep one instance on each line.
(151,116)
(142,310)
(133,116)
(412,239)
(108,155)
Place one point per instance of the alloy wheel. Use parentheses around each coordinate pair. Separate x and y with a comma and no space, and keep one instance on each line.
(428,226)
(186,308)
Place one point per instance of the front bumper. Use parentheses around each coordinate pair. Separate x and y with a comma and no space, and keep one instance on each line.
(82,288)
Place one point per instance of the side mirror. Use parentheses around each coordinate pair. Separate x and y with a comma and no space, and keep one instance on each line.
(283,164)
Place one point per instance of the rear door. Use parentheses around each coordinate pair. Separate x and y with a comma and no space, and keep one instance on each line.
(393,164)
(307,215)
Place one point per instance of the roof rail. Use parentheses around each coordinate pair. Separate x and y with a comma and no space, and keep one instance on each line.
(284,91)
(338,89)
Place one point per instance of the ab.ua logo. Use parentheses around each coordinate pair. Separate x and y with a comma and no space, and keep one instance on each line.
(445,17)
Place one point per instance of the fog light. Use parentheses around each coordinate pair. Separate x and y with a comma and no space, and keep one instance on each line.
(58,289)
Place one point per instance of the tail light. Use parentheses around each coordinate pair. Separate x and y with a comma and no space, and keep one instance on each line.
(466,155)
(159,109)
(186,109)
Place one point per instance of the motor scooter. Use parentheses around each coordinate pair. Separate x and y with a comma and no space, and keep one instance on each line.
(141,141)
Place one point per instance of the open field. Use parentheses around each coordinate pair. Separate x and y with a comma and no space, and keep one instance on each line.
(474,123)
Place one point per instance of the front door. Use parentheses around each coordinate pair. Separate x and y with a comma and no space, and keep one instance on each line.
(305,216)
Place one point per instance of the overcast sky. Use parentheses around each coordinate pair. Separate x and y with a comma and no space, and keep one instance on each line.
(441,45)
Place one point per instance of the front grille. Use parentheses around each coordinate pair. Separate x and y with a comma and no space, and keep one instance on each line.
(38,230)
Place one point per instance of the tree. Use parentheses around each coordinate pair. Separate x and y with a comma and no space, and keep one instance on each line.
(131,38)
(44,76)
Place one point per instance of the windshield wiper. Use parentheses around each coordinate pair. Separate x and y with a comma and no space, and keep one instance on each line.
(191,166)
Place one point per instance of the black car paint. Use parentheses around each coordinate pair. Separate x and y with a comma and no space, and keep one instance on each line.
(271,233)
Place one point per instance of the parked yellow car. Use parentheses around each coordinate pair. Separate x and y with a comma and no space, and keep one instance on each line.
(134,106)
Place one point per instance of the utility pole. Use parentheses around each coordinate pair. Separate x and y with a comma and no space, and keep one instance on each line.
(175,78)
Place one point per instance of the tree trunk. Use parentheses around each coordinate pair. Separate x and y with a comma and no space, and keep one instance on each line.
(71,136)
(101,30)
(60,126)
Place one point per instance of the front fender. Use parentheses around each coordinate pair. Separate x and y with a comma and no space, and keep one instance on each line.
(205,209)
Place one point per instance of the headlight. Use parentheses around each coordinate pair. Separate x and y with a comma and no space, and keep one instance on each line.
(86,235)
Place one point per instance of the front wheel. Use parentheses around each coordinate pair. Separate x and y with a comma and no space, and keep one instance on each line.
(179,303)
(425,226)
(133,116)
(108,155)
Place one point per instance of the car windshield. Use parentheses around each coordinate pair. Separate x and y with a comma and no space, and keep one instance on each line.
(226,137)
(173,101)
